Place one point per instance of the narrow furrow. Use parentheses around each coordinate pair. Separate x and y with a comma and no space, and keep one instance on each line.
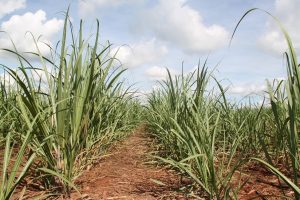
(125,175)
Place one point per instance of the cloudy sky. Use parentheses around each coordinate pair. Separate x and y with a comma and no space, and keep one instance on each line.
(155,34)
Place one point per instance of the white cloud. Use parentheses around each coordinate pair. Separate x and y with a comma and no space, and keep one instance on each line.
(288,13)
(247,89)
(9,6)
(159,73)
(138,54)
(90,7)
(179,24)
(18,26)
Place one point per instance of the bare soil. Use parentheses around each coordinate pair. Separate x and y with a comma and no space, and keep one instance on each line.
(125,174)
(261,184)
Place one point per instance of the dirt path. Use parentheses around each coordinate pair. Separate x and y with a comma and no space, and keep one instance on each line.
(125,175)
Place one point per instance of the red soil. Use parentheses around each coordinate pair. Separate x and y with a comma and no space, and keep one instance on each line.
(261,184)
(125,175)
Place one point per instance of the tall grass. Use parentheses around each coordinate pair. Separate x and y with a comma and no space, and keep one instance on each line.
(73,105)
(284,100)
(197,132)
(209,138)
(79,104)
(14,168)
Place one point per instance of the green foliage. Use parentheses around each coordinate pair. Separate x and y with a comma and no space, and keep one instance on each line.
(197,131)
(74,105)
(285,104)
(14,168)
(79,104)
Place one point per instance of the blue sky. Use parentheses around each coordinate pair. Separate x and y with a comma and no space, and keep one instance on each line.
(156,34)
